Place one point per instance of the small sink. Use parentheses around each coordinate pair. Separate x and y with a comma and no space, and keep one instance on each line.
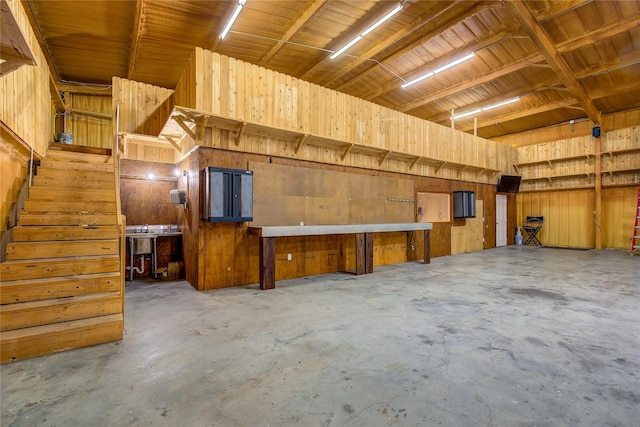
(152,230)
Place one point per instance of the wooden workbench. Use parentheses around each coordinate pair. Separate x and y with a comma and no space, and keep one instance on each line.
(363,235)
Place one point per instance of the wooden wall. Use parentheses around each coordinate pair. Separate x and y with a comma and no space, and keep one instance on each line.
(569,220)
(559,183)
(220,85)
(571,163)
(144,109)
(144,200)
(224,254)
(290,195)
(14,164)
(83,120)
(611,122)
(25,92)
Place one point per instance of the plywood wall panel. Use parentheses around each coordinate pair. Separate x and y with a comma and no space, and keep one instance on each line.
(568,216)
(618,211)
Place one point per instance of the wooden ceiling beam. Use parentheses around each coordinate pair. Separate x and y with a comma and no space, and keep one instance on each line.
(442,61)
(85,89)
(300,22)
(541,86)
(358,27)
(598,35)
(619,62)
(460,87)
(379,47)
(563,103)
(135,38)
(452,16)
(525,18)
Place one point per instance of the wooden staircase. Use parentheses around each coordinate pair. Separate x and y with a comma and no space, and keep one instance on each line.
(62,285)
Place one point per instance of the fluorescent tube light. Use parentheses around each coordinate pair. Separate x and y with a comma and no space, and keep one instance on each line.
(467,114)
(439,70)
(500,104)
(359,37)
(234,15)
(490,107)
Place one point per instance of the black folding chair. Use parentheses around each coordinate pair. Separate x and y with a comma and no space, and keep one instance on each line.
(532,226)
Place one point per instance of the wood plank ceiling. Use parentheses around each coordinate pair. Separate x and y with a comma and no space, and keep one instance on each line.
(566,60)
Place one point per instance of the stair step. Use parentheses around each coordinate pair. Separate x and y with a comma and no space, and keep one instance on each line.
(38,313)
(40,340)
(71,219)
(69,184)
(75,194)
(17,291)
(57,267)
(75,166)
(69,156)
(76,175)
(69,206)
(53,249)
(35,233)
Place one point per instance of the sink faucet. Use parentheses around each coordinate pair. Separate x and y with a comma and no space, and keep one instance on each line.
(145,228)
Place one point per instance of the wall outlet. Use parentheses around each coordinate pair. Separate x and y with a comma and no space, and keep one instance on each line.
(288,257)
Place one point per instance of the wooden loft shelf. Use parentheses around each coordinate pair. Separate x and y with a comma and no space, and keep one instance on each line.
(550,178)
(626,170)
(622,151)
(587,157)
(185,121)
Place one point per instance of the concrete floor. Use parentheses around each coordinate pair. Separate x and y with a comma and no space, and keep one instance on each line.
(516,336)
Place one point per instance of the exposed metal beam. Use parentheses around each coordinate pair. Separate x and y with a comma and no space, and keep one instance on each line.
(525,18)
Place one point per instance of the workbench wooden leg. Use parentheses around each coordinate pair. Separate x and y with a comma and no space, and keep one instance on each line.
(267,263)
(361,259)
(427,247)
(368,252)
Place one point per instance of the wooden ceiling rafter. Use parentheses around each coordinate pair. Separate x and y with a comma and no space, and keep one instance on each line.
(135,38)
(607,32)
(468,84)
(563,103)
(526,62)
(357,28)
(293,30)
(523,15)
(451,16)
(542,86)
(379,47)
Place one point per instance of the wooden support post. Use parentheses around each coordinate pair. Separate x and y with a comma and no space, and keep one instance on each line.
(598,195)
(475,126)
(301,139)
(180,121)
(415,162)
(427,247)
(384,157)
(201,126)
(267,263)
(172,142)
(368,252)
(360,254)
(240,132)
(349,147)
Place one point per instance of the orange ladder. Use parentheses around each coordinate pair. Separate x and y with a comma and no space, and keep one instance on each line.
(635,240)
